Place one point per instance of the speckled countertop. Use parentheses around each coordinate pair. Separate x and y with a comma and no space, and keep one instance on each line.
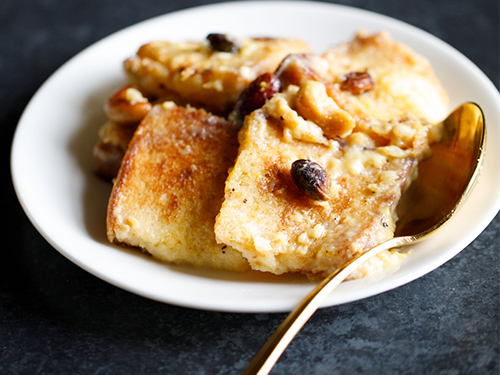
(56,318)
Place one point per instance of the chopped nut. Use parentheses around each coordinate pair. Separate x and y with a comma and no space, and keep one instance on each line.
(357,83)
(314,104)
(311,179)
(223,43)
(127,106)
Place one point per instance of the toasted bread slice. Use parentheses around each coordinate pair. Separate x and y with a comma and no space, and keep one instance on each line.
(203,76)
(170,187)
(404,81)
(278,229)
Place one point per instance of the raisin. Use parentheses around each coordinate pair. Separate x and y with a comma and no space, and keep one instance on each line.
(357,83)
(254,96)
(223,43)
(311,179)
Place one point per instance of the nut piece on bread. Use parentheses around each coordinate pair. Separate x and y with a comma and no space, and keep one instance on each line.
(170,187)
(202,73)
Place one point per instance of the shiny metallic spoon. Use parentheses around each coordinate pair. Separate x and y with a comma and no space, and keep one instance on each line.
(444,181)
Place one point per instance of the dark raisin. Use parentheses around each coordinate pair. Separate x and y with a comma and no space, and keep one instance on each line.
(357,82)
(223,43)
(311,179)
(254,96)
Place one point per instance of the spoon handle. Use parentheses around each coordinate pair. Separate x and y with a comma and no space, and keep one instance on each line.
(265,359)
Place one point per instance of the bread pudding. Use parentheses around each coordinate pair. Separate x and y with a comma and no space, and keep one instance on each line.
(259,154)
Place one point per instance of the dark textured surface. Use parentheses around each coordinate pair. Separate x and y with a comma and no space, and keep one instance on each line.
(57,319)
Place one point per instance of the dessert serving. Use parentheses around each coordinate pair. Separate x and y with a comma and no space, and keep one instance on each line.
(260,154)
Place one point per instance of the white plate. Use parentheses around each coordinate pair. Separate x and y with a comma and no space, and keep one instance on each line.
(52,166)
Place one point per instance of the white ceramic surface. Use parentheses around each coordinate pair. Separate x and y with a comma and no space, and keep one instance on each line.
(52,165)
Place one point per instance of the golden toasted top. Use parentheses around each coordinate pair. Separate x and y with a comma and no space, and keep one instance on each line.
(404,81)
(170,187)
(278,228)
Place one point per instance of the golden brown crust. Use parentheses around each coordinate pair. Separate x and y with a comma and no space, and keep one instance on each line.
(170,186)
(279,229)
(404,81)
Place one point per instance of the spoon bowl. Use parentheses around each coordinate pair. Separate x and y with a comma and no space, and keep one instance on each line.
(456,160)
(444,181)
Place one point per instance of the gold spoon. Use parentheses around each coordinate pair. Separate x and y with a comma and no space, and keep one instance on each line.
(444,180)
